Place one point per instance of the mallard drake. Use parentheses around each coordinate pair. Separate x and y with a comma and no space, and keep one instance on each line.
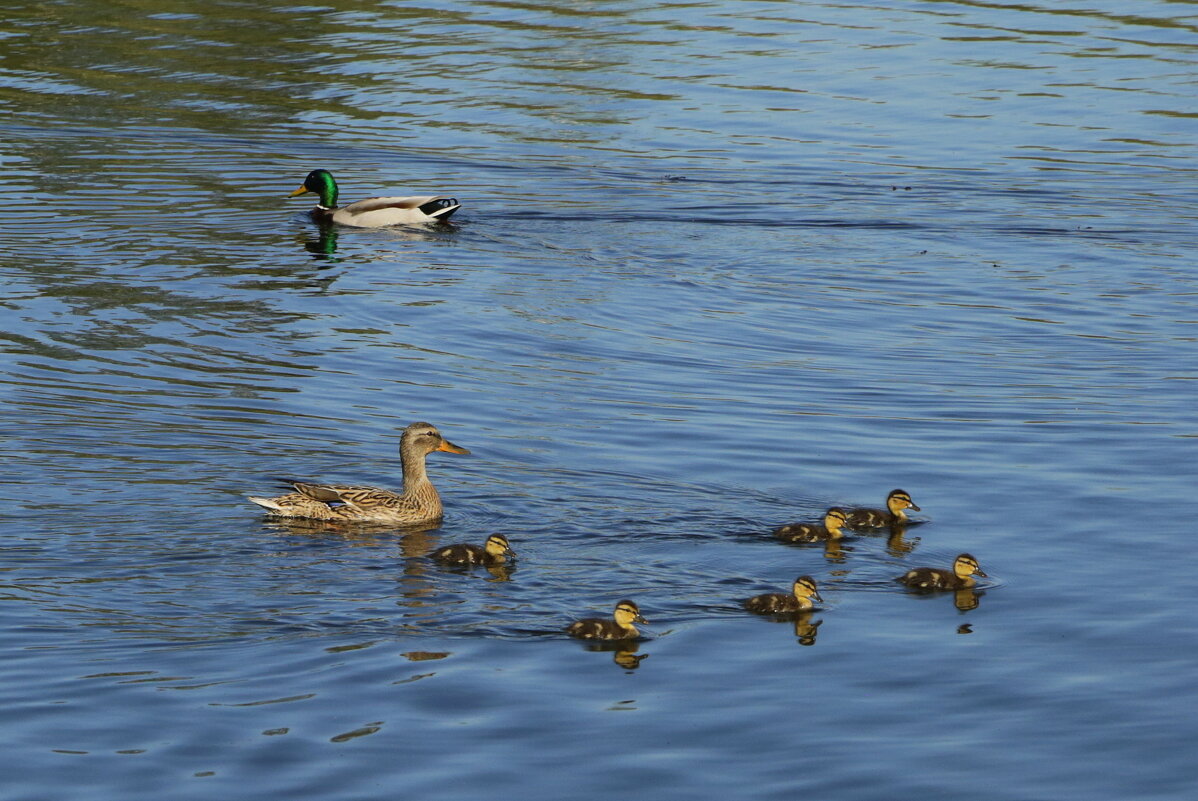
(774,603)
(814,532)
(621,628)
(418,503)
(965,567)
(897,502)
(374,212)
(495,551)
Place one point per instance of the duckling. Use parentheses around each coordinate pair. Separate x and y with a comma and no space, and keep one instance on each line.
(834,520)
(776,602)
(373,212)
(596,628)
(897,502)
(965,567)
(495,551)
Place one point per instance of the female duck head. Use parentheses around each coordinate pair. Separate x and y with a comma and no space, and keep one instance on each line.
(320,182)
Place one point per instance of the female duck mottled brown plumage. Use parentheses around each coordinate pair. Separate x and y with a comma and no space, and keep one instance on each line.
(621,628)
(418,503)
(814,532)
(495,551)
(897,502)
(777,603)
(965,567)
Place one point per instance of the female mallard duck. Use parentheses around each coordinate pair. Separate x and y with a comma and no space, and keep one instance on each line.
(776,602)
(897,502)
(621,628)
(418,503)
(965,567)
(495,551)
(376,211)
(814,532)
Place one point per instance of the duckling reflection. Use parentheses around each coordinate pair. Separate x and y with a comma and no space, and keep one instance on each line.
(930,579)
(897,502)
(831,529)
(897,545)
(967,599)
(775,603)
(324,244)
(619,628)
(495,551)
(806,629)
(623,652)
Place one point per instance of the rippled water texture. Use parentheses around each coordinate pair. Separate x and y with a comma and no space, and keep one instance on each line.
(720,265)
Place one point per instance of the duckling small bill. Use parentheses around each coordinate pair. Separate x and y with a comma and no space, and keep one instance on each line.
(618,628)
(965,567)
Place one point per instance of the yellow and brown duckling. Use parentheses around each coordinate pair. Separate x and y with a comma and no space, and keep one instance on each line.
(830,529)
(373,212)
(965,567)
(897,504)
(417,503)
(620,628)
(495,551)
(775,603)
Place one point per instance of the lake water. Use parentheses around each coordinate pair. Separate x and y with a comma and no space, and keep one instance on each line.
(719,266)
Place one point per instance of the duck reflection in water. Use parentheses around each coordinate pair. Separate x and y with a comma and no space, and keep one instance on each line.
(896,544)
(623,652)
(324,244)
(967,599)
(806,629)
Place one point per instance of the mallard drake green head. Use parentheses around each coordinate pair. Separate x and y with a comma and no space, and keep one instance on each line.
(373,212)
(322,183)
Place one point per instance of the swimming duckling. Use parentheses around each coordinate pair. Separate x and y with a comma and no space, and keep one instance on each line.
(834,520)
(597,628)
(777,603)
(897,502)
(495,551)
(965,567)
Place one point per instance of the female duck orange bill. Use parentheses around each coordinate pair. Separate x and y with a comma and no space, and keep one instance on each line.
(417,503)
(965,567)
(814,532)
(495,551)
(619,628)
(779,603)
(897,504)
(374,212)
